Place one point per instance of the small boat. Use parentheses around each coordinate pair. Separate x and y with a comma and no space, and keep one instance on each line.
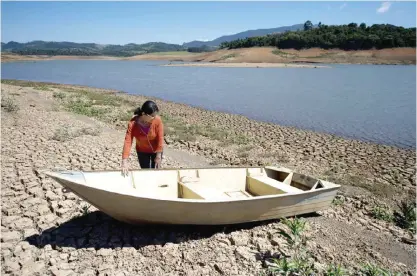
(199,196)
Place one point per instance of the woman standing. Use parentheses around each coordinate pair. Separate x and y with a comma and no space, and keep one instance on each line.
(147,129)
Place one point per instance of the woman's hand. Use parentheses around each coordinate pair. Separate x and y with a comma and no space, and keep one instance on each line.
(125,167)
(158,160)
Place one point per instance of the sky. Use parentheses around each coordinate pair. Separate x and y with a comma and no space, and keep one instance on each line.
(179,22)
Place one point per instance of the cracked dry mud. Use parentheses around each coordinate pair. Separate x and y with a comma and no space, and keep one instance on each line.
(47,232)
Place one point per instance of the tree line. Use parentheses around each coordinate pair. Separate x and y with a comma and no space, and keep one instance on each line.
(346,37)
(85,49)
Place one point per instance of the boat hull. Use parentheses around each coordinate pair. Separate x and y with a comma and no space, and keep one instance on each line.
(135,209)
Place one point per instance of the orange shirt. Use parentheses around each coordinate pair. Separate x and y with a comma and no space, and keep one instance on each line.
(155,136)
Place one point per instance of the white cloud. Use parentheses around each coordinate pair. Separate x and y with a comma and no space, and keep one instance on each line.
(343,6)
(385,6)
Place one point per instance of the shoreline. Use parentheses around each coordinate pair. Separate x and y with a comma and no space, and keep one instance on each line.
(239,140)
(180,105)
(261,55)
(244,65)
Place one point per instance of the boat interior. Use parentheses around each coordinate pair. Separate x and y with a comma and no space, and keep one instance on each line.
(210,183)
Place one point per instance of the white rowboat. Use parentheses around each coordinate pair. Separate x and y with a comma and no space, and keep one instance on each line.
(199,195)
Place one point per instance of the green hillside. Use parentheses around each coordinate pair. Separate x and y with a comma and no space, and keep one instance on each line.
(87,49)
(346,37)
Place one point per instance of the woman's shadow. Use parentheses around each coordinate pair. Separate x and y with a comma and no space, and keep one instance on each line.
(98,230)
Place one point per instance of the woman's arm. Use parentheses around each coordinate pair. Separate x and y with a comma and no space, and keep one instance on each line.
(128,141)
(160,138)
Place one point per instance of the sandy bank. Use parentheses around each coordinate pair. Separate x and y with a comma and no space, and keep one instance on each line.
(14,58)
(262,55)
(45,231)
(245,65)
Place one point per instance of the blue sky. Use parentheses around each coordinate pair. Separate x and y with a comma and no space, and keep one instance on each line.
(178,22)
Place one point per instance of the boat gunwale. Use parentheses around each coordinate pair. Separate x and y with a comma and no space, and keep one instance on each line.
(55,175)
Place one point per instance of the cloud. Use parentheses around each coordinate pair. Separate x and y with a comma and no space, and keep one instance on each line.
(385,6)
(343,6)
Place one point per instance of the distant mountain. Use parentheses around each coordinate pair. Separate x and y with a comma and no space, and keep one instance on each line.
(242,35)
(40,47)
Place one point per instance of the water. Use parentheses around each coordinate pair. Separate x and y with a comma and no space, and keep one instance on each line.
(366,102)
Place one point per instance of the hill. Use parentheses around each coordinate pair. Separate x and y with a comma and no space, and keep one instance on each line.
(346,37)
(242,35)
(65,48)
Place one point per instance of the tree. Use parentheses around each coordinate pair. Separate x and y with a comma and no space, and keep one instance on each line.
(347,37)
(308,25)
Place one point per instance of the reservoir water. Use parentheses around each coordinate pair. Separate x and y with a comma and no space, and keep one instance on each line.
(375,103)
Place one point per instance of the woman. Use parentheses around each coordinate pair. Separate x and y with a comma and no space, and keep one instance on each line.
(147,129)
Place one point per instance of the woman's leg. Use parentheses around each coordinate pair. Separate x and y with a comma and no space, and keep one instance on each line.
(153,160)
(144,159)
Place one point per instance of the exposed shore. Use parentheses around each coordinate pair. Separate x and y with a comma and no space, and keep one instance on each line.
(245,65)
(47,232)
(264,55)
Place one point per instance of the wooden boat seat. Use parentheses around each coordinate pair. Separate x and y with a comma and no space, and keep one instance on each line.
(195,189)
(264,185)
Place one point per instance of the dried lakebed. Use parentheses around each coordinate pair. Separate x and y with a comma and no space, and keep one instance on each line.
(47,232)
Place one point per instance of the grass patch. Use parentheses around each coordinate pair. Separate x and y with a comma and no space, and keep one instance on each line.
(405,217)
(37,85)
(59,95)
(297,263)
(228,56)
(283,54)
(43,88)
(338,201)
(335,270)
(100,98)
(382,213)
(374,270)
(85,108)
(177,128)
(297,260)
(9,104)
(125,115)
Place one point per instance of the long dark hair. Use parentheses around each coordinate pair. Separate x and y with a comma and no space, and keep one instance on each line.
(148,107)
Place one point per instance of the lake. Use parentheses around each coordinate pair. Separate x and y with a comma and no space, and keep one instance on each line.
(375,103)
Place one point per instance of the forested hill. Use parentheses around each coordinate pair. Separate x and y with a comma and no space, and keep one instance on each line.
(346,37)
(242,35)
(87,49)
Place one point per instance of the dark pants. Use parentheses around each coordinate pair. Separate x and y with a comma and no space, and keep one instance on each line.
(147,160)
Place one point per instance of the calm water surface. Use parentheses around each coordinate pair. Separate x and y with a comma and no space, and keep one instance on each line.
(367,102)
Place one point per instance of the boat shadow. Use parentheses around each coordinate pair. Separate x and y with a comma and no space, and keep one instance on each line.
(98,230)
